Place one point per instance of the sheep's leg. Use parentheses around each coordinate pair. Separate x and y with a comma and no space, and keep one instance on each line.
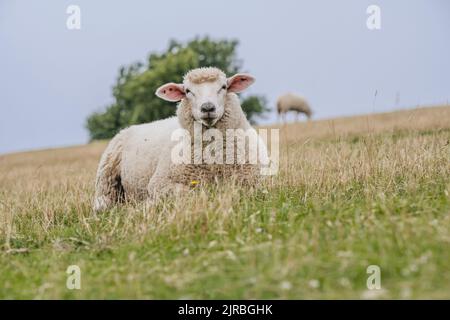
(108,187)
(296,116)
(156,192)
(161,186)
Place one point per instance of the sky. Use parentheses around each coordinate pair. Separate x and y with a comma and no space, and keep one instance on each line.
(52,78)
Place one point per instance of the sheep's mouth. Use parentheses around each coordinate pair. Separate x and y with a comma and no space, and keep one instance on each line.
(209,119)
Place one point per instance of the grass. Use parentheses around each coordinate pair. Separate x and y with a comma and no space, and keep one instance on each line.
(351,192)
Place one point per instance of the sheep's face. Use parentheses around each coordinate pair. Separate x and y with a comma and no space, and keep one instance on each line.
(205,89)
(207,100)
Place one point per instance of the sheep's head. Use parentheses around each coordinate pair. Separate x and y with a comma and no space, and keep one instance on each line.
(205,89)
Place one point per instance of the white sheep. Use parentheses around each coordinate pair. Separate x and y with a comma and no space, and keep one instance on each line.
(292,102)
(138,162)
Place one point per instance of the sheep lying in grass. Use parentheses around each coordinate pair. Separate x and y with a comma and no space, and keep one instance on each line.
(138,162)
(291,102)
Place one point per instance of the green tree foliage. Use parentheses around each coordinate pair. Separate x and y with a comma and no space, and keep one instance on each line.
(134,91)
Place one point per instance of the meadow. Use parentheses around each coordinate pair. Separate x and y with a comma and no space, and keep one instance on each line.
(351,192)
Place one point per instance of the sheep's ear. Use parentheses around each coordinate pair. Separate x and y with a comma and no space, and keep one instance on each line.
(239,82)
(171,92)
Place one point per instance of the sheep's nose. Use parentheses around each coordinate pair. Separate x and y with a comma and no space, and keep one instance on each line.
(208,107)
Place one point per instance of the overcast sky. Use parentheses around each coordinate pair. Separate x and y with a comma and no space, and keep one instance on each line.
(52,78)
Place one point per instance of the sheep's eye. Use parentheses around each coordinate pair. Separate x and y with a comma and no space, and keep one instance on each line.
(224,87)
(188,91)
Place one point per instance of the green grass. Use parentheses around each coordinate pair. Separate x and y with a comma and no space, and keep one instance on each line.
(379,199)
(264,252)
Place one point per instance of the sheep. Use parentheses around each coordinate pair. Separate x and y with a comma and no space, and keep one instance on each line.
(291,102)
(138,161)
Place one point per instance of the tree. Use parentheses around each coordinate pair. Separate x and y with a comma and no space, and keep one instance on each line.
(135,101)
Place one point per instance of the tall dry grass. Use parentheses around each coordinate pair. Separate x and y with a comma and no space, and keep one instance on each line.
(315,156)
(353,168)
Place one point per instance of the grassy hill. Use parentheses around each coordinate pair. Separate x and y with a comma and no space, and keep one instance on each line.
(351,192)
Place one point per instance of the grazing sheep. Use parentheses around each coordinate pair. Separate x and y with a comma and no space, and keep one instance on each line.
(291,102)
(138,162)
